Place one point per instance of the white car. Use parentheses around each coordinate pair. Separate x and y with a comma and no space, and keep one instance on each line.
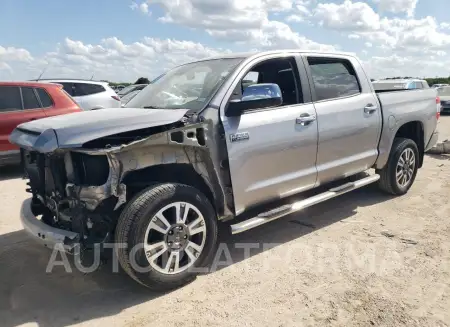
(400,84)
(89,94)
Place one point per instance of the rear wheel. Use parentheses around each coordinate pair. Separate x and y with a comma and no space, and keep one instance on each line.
(164,233)
(400,171)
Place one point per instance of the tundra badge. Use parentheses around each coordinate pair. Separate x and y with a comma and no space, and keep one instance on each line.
(239,137)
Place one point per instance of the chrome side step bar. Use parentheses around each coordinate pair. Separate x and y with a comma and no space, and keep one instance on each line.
(284,210)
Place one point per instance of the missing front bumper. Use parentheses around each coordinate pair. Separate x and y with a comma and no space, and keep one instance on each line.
(45,234)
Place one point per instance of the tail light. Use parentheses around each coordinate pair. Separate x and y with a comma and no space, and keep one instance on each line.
(438,107)
(115,97)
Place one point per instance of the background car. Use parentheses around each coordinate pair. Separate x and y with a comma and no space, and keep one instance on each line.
(21,102)
(89,95)
(439,85)
(131,88)
(405,84)
(444,95)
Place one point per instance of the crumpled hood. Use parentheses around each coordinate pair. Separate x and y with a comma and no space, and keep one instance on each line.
(73,130)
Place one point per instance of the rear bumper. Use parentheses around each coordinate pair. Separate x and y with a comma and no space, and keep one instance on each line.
(45,234)
(433,141)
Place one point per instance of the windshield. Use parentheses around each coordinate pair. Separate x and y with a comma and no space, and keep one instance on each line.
(189,86)
(444,91)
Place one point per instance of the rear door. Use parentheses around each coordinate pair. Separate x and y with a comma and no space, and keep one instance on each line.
(348,114)
(17,105)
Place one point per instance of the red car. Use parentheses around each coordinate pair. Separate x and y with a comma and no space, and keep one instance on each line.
(21,102)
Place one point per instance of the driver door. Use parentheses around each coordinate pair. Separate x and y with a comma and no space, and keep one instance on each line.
(272,151)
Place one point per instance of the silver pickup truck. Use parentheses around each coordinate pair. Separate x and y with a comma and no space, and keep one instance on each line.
(228,138)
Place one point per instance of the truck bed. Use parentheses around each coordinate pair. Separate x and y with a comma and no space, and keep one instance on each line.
(403,106)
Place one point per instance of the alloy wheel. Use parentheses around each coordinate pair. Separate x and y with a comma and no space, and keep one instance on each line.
(175,238)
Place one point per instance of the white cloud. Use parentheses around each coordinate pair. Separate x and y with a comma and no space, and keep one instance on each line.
(398,6)
(397,34)
(142,7)
(14,54)
(355,16)
(398,44)
(112,59)
(295,19)
(241,21)
(395,65)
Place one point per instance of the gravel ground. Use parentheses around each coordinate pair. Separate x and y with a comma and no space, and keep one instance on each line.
(359,260)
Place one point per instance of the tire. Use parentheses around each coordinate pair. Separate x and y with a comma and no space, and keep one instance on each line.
(388,175)
(138,223)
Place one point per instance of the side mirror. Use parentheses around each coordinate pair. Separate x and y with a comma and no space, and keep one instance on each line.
(256,96)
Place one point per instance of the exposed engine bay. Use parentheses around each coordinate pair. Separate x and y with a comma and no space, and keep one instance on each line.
(83,189)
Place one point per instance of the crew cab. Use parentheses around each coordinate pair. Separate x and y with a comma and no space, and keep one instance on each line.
(21,102)
(231,138)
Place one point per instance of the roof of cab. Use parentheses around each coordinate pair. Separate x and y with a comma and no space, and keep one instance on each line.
(255,54)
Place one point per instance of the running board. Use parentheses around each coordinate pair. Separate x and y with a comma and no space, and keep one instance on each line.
(284,210)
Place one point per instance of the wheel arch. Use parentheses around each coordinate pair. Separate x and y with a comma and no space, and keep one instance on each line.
(181,173)
(413,130)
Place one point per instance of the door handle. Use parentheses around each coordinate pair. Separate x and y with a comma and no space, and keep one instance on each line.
(370,108)
(305,119)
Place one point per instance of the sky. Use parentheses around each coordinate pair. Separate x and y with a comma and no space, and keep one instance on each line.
(121,40)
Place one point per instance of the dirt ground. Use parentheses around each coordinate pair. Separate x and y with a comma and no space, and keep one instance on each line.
(359,260)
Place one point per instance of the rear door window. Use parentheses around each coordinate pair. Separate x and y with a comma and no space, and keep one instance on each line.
(10,99)
(30,100)
(45,98)
(333,78)
(88,89)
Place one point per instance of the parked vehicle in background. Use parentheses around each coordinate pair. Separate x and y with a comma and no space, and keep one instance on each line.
(444,95)
(21,102)
(118,88)
(131,88)
(127,97)
(90,95)
(405,84)
(439,85)
(157,176)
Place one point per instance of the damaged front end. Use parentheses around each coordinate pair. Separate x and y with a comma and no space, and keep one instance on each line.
(82,190)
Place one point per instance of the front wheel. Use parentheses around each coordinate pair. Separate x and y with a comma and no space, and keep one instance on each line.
(400,171)
(164,234)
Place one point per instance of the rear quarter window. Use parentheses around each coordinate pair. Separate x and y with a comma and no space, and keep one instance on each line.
(68,87)
(10,99)
(333,78)
(44,97)
(88,89)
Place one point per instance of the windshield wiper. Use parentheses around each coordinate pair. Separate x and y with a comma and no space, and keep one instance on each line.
(151,107)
